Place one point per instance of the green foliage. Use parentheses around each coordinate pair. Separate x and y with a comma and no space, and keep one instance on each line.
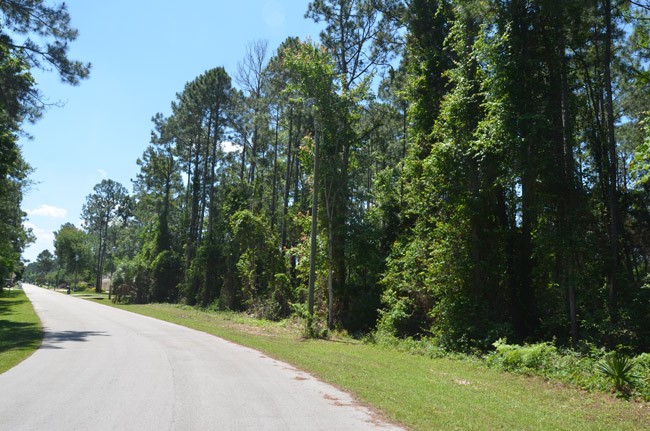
(525,358)
(312,326)
(44,271)
(166,271)
(51,23)
(422,346)
(17,103)
(17,92)
(619,369)
(508,197)
(264,289)
(487,191)
(640,165)
(72,249)
(20,100)
(357,34)
(591,368)
(131,282)
(642,384)
(105,209)
(13,235)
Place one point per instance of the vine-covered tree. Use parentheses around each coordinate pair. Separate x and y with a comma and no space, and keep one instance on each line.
(157,188)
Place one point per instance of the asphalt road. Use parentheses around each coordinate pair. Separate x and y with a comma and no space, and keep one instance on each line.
(101,368)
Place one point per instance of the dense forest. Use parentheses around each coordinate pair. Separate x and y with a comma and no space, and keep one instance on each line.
(465,171)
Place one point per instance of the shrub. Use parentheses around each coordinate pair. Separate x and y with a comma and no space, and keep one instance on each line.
(620,370)
(526,358)
(642,384)
(575,367)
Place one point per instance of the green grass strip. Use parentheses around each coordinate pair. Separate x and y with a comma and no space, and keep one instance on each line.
(419,392)
(20,329)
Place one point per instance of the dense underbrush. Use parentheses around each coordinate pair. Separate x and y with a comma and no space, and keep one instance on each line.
(588,367)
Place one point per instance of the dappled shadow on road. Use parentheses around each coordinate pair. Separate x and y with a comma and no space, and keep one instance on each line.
(53,340)
(18,335)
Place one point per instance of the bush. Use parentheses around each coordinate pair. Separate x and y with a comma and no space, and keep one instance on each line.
(592,369)
(620,370)
(642,384)
(428,347)
(575,367)
(313,326)
(526,358)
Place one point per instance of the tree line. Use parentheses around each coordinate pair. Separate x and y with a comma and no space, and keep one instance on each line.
(461,170)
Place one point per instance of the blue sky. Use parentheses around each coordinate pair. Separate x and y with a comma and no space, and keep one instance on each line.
(143,52)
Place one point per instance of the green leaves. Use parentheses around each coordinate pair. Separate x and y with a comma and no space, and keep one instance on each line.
(23,19)
(72,248)
(619,369)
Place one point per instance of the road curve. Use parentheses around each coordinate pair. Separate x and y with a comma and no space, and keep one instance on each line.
(101,368)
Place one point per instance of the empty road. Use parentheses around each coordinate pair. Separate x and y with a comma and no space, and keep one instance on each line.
(101,368)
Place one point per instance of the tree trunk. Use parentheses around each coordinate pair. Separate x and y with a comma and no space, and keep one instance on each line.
(254,149)
(192,241)
(568,202)
(314,227)
(243,160)
(612,168)
(287,184)
(274,194)
(330,277)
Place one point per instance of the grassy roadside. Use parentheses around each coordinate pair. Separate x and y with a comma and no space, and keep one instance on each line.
(422,393)
(20,328)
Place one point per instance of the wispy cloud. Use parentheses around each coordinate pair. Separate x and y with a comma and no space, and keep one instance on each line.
(48,211)
(103,173)
(40,233)
(274,15)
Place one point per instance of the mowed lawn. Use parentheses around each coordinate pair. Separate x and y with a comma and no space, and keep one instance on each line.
(419,392)
(20,328)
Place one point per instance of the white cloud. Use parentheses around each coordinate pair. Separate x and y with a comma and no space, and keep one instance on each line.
(41,234)
(44,240)
(48,211)
(229,147)
(103,173)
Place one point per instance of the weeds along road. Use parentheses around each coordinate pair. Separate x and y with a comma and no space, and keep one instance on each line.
(101,368)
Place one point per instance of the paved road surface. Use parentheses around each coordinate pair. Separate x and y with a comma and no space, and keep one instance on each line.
(101,368)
